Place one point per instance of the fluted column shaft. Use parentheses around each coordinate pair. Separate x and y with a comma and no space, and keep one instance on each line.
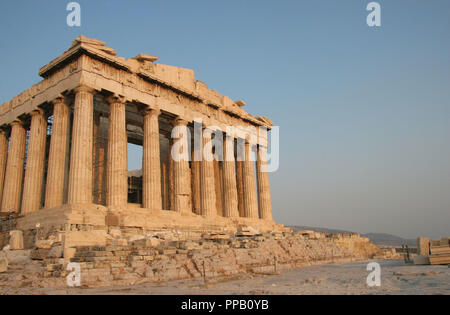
(250,201)
(14,168)
(3,159)
(80,175)
(117,160)
(57,159)
(229,180)
(195,179)
(264,198)
(240,187)
(207,186)
(34,173)
(181,170)
(171,184)
(151,162)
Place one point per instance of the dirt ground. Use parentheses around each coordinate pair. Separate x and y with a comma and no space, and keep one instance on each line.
(396,278)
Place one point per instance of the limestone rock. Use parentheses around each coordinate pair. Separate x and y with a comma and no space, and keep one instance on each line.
(39,254)
(247,231)
(69,253)
(116,233)
(56,252)
(3,262)
(44,244)
(16,240)
(135,238)
(18,256)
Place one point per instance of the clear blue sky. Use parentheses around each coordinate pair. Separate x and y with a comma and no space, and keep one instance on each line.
(364,113)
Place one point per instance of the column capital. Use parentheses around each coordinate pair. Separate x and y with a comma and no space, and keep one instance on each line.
(115,99)
(58,100)
(37,111)
(151,111)
(179,122)
(85,89)
(17,122)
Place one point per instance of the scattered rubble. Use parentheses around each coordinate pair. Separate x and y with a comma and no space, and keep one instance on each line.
(173,255)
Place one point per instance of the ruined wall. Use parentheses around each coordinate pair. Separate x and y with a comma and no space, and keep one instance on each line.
(166,255)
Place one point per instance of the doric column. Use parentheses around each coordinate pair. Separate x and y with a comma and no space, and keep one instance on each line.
(218,185)
(229,180)
(240,187)
(80,175)
(3,158)
(180,156)
(151,162)
(171,184)
(100,153)
(34,173)
(250,201)
(208,191)
(14,168)
(265,203)
(57,158)
(117,160)
(195,180)
(165,186)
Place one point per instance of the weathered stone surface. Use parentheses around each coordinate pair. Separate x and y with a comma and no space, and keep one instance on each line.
(39,254)
(44,244)
(18,256)
(3,262)
(99,103)
(16,240)
(56,252)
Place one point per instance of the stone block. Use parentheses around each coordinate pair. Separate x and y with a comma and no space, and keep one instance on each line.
(16,240)
(39,254)
(3,262)
(69,253)
(44,244)
(423,246)
(18,256)
(115,233)
(56,252)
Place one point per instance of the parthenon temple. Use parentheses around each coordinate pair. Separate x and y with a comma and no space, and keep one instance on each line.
(64,149)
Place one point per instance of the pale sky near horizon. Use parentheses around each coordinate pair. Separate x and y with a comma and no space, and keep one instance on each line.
(364,113)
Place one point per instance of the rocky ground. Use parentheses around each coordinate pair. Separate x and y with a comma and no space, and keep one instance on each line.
(396,278)
(245,263)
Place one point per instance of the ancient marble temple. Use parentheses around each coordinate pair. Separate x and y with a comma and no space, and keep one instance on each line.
(64,156)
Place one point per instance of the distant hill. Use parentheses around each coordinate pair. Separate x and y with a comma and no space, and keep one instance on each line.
(380,239)
(383,239)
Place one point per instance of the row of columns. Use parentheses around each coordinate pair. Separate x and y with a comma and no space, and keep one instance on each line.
(241,197)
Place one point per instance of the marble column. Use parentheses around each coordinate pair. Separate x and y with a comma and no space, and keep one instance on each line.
(165,186)
(80,175)
(218,186)
(14,168)
(3,159)
(58,154)
(34,173)
(181,170)
(195,179)
(229,180)
(117,160)
(151,162)
(264,198)
(250,201)
(171,184)
(100,154)
(208,190)
(240,185)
